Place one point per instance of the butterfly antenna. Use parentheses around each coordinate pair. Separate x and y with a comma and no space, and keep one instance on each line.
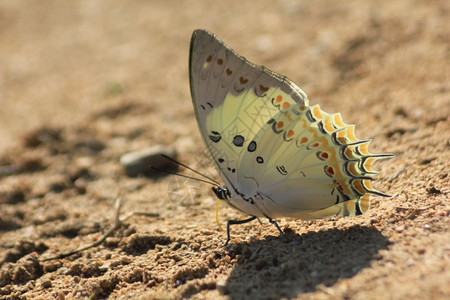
(189,168)
(185,176)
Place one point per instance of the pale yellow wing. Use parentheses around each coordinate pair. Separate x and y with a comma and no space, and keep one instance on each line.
(233,98)
(306,163)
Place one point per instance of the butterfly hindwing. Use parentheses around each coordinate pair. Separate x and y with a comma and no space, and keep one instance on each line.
(300,167)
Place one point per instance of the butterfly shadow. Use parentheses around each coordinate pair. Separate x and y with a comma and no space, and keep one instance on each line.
(273,269)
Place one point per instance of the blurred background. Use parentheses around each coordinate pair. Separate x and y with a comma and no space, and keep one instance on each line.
(61,60)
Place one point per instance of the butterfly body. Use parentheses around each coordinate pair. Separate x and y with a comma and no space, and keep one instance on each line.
(278,156)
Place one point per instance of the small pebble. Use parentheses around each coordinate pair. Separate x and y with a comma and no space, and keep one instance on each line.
(374,220)
(206,232)
(226,259)
(179,282)
(221,286)
(400,228)
(46,283)
(63,270)
(143,161)
(112,242)
(115,263)
(103,269)
(125,260)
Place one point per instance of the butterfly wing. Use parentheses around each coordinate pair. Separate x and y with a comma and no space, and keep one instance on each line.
(280,156)
(233,98)
(308,164)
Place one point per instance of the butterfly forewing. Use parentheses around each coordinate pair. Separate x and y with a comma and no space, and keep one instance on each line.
(233,99)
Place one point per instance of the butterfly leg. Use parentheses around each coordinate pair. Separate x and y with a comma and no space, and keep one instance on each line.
(279,229)
(233,222)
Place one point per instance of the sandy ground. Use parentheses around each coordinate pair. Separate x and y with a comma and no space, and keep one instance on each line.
(83,82)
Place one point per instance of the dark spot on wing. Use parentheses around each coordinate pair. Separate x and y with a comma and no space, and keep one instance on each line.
(215,136)
(242,80)
(238,140)
(282,170)
(252,146)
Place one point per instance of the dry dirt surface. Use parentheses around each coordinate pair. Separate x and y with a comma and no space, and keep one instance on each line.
(83,82)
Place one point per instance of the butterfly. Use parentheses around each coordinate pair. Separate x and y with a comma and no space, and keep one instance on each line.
(277,156)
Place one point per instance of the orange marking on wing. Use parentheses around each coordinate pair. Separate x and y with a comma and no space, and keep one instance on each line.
(328,125)
(344,187)
(313,131)
(318,114)
(368,164)
(303,122)
(368,184)
(349,153)
(351,133)
(290,133)
(288,116)
(341,137)
(303,140)
(364,148)
(358,185)
(278,99)
(352,169)
(364,203)
(330,171)
(280,124)
(338,121)
(285,105)
(324,155)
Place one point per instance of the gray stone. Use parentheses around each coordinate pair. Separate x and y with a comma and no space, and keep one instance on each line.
(144,161)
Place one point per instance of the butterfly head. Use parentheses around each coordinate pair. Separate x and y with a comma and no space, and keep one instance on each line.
(221,192)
